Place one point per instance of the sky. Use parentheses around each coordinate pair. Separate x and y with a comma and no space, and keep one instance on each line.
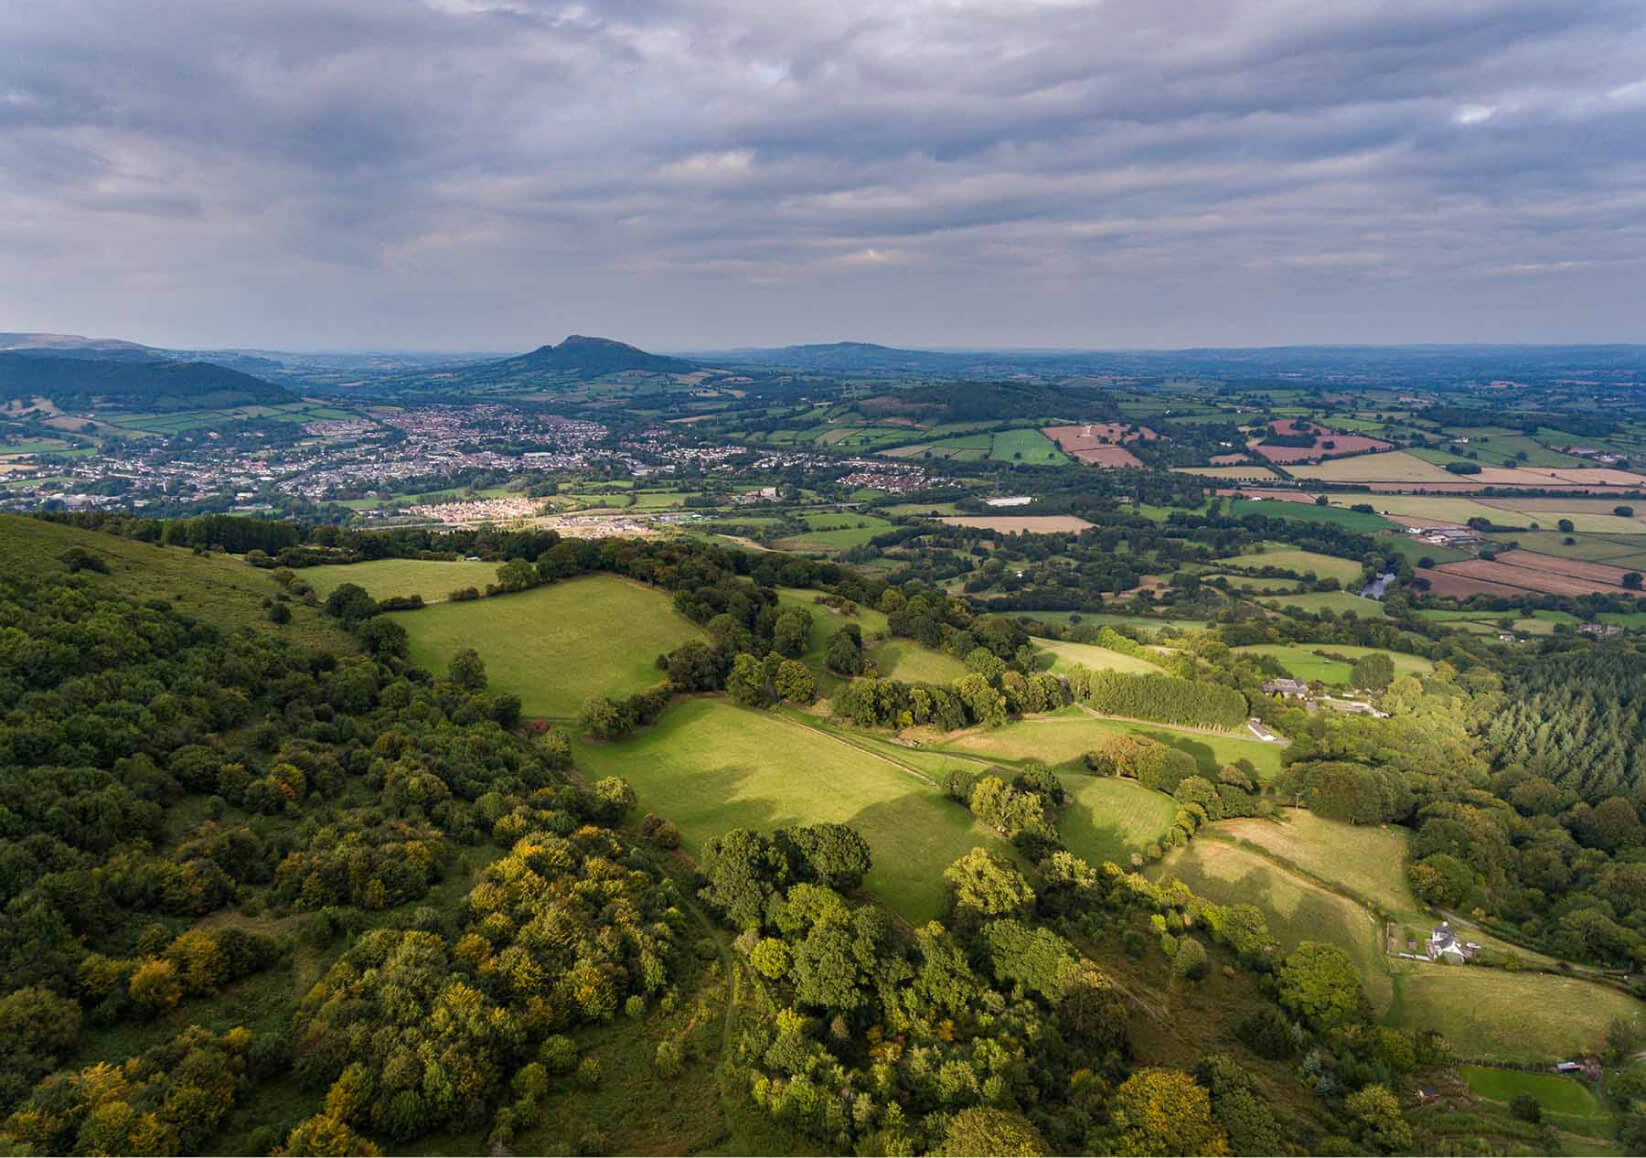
(495,174)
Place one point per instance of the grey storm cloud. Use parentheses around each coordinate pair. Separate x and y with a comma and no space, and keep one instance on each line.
(469,173)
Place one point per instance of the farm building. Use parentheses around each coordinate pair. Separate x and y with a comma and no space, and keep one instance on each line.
(1599,629)
(1287,688)
(1444,946)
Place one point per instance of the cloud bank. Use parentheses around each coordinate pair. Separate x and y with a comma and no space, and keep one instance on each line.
(482,173)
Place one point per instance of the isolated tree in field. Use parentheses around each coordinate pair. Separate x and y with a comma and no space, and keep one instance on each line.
(1373,671)
(467,670)
(600,718)
(350,603)
(1631,580)
(794,682)
(987,1130)
(1318,983)
(1190,962)
(694,666)
(844,655)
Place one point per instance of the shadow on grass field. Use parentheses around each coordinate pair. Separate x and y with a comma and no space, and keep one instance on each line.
(558,645)
(709,766)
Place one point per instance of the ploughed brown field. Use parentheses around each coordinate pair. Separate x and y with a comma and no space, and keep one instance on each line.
(1098,443)
(1341,444)
(1516,572)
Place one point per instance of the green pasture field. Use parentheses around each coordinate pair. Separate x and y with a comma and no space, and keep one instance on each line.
(433,579)
(1302,562)
(1394,466)
(1494,444)
(1338,602)
(710,766)
(37,446)
(1109,819)
(1251,585)
(218,589)
(1300,659)
(1367,860)
(1297,909)
(1059,739)
(835,531)
(906,660)
(826,620)
(843,520)
(1108,619)
(1412,550)
(933,510)
(963,448)
(1308,512)
(1504,512)
(1617,550)
(1026,446)
(1495,1015)
(1250,472)
(1555,1092)
(1065,655)
(556,646)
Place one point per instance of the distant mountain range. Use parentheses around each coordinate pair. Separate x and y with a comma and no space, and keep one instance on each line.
(76,346)
(1348,363)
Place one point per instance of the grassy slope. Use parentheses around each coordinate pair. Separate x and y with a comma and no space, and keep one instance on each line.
(1308,512)
(1065,655)
(710,766)
(1486,1013)
(556,646)
(1338,602)
(1303,562)
(1062,738)
(1369,861)
(907,660)
(383,578)
(1493,1015)
(218,589)
(1304,664)
(1109,818)
(1298,910)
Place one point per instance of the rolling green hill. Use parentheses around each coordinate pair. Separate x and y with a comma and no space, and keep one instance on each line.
(582,357)
(77,381)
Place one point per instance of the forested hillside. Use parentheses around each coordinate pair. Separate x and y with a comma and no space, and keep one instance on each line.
(72,382)
(263,898)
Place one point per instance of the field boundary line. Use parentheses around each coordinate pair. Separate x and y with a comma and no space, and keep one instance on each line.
(1192,729)
(907,769)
